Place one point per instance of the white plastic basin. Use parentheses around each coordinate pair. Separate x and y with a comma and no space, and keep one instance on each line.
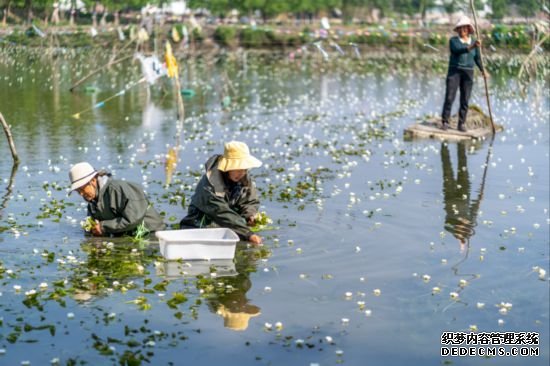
(216,243)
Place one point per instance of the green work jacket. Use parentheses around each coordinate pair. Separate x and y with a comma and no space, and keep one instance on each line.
(213,204)
(121,207)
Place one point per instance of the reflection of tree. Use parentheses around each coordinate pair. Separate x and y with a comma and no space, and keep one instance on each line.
(9,189)
(227,296)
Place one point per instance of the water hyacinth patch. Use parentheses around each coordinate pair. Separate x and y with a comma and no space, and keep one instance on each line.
(354,202)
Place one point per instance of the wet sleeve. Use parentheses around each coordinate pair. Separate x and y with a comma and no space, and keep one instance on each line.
(219,211)
(457,47)
(130,210)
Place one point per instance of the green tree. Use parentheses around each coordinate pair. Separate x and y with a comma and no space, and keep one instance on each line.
(528,8)
(216,7)
(499,8)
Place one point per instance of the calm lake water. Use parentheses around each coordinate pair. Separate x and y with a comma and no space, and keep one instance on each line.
(365,264)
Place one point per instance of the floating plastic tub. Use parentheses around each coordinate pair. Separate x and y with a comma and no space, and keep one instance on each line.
(216,243)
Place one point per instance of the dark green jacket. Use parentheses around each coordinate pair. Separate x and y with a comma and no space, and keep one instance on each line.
(213,205)
(460,56)
(121,207)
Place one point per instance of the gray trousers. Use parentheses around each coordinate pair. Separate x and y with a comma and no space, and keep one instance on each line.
(457,78)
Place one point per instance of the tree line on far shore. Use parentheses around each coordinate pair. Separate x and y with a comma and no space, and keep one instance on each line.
(18,11)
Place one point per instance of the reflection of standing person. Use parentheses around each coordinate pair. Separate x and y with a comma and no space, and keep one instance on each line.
(460,74)
(461,211)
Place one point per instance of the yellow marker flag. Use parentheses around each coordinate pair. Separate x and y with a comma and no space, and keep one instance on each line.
(171,64)
(175,35)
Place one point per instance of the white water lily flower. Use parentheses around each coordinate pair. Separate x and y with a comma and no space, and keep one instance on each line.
(349,294)
(268,326)
(501,322)
(17,288)
(43,285)
(339,353)
(436,290)
(70,315)
(30,292)
(345,321)
(368,312)
(473,328)
(328,339)
(54,361)
(377,292)
(426,278)
(279,326)
(480,305)
(454,295)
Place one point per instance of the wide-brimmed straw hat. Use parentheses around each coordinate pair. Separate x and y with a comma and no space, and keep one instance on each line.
(464,21)
(238,320)
(80,174)
(236,155)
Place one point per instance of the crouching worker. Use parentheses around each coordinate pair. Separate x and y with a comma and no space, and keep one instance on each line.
(226,195)
(116,206)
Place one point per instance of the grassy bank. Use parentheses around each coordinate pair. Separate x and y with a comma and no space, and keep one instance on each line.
(502,38)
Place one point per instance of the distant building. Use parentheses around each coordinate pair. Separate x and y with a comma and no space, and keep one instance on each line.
(175,8)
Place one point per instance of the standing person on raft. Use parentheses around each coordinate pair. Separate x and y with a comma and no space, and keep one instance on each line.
(117,207)
(464,52)
(226,195)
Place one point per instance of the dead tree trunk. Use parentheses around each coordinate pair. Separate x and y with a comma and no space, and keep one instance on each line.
(10,139)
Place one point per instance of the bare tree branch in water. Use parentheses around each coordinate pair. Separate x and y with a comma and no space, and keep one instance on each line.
(10,139)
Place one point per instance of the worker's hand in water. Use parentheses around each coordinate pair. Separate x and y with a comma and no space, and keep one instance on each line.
(486,74)
(96,230)
(251,221)
(255,239)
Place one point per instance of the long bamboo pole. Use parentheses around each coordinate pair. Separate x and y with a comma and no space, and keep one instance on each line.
(484,74)
(111,63)
(10,139)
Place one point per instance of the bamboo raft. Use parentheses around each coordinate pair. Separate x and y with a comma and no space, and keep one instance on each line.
(478,126)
